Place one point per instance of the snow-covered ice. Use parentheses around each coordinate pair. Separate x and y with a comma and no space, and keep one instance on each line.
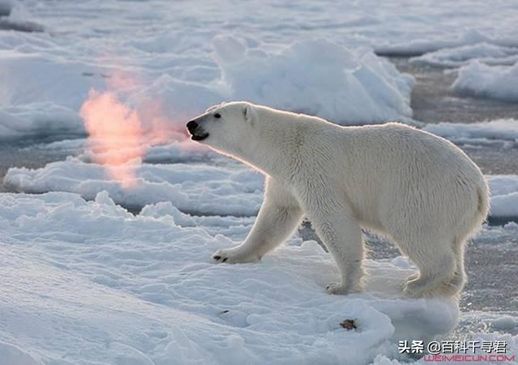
(483,52)
(43,95)
(501,129)
(84,281)
(195,188)
(88,282)
(375,91)
(192,56)
(504,195)
(496,82)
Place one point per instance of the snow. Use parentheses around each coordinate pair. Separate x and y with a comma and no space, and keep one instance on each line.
(225,189)
(195,188)
(44,94)
(85,281)
(495,82)
(191,57)
(483,52)
(148,292)
(469,37)
(344,86)
(504,195)
(502,325)
(40,96)
(501,129)
(13,355)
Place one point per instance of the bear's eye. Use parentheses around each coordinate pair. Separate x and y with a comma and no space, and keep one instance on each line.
(217,115)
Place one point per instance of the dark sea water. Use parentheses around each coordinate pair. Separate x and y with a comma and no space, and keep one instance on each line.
(29,152)
(433,101)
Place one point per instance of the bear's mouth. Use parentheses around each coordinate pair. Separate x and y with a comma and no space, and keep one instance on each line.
(199,137)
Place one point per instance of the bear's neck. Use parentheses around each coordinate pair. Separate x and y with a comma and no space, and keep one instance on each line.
(276,147)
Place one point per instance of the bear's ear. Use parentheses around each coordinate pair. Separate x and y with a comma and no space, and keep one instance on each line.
(249,113)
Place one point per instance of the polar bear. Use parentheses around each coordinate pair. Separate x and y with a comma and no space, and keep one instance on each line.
(415,188)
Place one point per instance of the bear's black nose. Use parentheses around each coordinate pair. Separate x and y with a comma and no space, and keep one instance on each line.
(191,126)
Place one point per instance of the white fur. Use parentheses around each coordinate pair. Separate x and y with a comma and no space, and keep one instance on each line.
(415,188)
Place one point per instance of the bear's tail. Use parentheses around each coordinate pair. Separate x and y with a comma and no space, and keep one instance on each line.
(483,202)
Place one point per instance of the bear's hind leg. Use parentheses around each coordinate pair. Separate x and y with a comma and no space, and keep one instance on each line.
(438,269)
(457,282)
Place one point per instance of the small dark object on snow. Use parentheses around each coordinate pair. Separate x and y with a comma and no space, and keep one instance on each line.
(348,324)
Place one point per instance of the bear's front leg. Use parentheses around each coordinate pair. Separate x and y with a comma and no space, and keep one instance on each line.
(236,255)
(278,217)
(342,236)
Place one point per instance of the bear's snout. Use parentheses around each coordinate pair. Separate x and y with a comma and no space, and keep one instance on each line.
(191,126)
(197,132)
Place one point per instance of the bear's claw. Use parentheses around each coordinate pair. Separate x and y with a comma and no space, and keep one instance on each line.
(218,258)
(234,256)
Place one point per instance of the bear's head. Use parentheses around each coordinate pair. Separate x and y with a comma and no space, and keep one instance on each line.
(225,127)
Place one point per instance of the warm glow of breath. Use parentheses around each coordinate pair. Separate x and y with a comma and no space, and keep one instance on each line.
(115,135)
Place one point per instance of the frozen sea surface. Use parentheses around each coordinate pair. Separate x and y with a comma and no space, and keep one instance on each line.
(88,282)
(190,56)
